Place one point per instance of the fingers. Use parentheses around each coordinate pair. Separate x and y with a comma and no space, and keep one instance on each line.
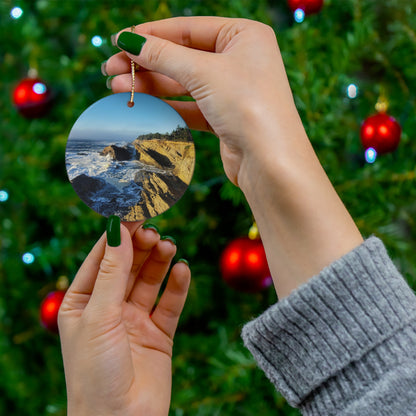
(169,309)
(114,271)
(149,83)
(117,64)
(78,293)
(144,240)
(191,114)
(161,56)
(194,32)
(133,226)
(84,280)
(152,273)
(161,86)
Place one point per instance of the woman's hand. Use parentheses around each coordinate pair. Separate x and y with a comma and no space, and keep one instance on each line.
(116,347)
(233,70)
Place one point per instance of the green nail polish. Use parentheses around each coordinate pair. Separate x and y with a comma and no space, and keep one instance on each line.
(151,227)
(168,237)
(104,69)
(113,231)
(131,42)
(108,82)
(114,39)
(184,261)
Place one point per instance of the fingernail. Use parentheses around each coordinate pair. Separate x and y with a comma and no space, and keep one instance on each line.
(168,237)
(150,227)
(103,68)
(184,261)
(113,231)
(108,82)
(131,42)
(114,39)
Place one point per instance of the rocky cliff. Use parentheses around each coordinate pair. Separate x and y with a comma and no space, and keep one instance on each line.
(119,153)
(177,157)
(160,192)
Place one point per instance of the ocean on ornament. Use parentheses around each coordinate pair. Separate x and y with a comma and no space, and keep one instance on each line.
(133,162)
(107,185)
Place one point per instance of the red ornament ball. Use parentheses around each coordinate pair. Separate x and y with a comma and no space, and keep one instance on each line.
(381,132)
(32,98)
(244,266)
(308,6)
(49,310)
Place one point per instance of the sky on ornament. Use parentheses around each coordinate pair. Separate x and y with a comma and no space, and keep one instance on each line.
(111,118)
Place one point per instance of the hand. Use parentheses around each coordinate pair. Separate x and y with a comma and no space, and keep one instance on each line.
(117,352)
(234,71)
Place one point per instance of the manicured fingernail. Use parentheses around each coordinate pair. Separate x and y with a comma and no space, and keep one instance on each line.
(113,231)
(103,69)
(114,39)
(168,237)
(150,227)
(131,42)
(108,82)
(183,261)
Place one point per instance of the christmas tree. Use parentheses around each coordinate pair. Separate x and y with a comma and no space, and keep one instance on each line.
(341,61)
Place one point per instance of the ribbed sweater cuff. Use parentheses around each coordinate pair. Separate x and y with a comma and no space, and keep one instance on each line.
(340,327)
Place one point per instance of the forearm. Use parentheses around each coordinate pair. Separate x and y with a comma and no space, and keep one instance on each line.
(343,343)
(303,223)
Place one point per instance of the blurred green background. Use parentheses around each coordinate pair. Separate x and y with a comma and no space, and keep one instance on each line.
(369,43)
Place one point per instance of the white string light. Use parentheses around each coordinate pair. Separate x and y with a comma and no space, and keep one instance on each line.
(370,155)
(352,91)
(4,195)
(16,13)
(97,41)
(28,258)
(299,15)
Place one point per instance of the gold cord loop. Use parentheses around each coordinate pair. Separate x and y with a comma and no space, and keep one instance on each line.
(133,73)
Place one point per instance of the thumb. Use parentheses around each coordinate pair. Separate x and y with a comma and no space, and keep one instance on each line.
(180,63)
(110,286)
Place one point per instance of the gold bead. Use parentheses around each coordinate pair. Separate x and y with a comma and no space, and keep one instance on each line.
(253,233)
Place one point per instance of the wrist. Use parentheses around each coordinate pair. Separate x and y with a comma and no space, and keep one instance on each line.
(273,151)
(302,222)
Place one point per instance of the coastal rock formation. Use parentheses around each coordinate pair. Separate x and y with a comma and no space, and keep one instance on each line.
(118,153)
(160,191)
(154,174)
(89,189)
(106,198)
(174,156)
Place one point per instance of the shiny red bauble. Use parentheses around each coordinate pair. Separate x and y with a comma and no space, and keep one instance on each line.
(308,6)
(381,132)
(32,98)
(49,309)
(244,266)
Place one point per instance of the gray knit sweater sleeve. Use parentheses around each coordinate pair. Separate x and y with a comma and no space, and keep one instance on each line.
(345,342)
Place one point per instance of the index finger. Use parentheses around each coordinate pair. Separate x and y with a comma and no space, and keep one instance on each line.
(84,280)
(197,32)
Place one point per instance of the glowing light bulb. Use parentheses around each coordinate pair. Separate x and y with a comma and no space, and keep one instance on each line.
(97,41)
(16,12)
(299,15)
(4,196)
(352,91)
(370,155)
(39,88)
(28,258)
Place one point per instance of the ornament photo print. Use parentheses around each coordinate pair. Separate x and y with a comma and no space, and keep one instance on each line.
(131,161)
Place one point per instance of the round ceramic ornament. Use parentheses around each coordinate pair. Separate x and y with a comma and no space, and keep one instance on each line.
(133,161)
